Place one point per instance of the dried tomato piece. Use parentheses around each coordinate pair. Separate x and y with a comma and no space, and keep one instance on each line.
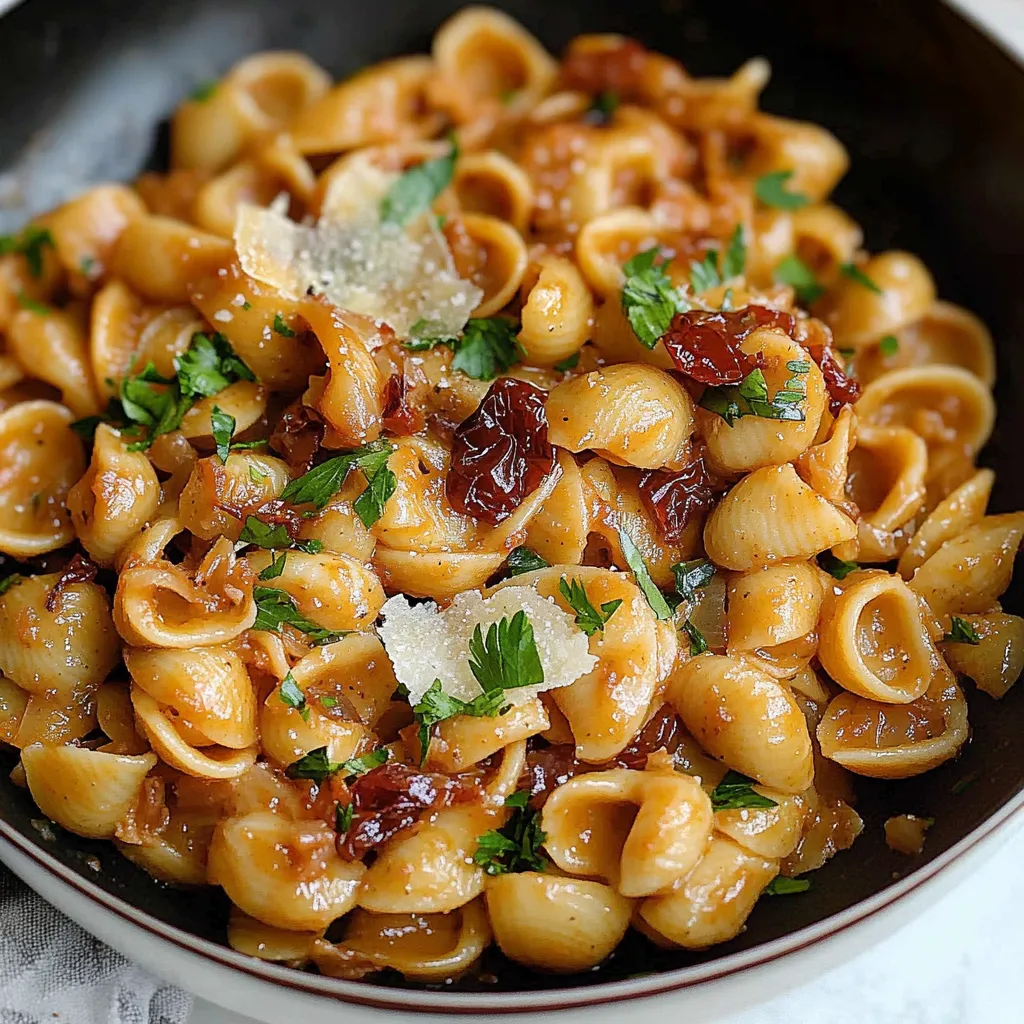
(297,437)
(391,798)
(397,415)
(842,389)
(501,452)
(706,345)
(618,69)
(664,731)
(547,768)
(677,499)
(78,570)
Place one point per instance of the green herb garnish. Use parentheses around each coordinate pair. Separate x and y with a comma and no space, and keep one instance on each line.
(692,576)
(771,190)
(962,632)
(203,91)
(889,345)
(523,559)
(291,694)
(30,244)
(588,618)
(276,609)
(793,271)
(281,327)
(223,428)
(655,598)
(782,886)
(321,483)
(854,273)
(837,567)
(413,193)
(648,298)
(516,845)
(735,792)
(698,645)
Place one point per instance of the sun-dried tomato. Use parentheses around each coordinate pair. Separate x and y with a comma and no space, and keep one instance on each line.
(501,452)
(398,416)
(391,798)
(816,337)
(676,499)
(547,768)
(78,570)
(664,731)
(842,389)
(706,345)
(618,69)
(297,437)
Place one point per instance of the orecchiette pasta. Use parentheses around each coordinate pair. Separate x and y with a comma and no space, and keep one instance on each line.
(489,500)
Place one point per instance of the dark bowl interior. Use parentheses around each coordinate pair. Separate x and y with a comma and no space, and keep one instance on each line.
(933,116)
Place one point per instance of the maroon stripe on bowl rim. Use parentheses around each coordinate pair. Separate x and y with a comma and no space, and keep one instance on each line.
(526,1002)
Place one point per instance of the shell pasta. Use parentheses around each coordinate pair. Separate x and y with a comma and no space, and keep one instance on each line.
(485,506)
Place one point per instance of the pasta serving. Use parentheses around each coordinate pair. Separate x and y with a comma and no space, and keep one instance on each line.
(492,500)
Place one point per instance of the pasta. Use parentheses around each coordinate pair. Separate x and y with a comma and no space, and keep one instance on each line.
(490,501)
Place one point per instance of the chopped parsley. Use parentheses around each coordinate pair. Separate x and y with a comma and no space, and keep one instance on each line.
(276,567)
(223,428)
(782,886)
(8,581)
(321,483)
(265,535)
(568,363)
(793,271)
(962,632)
(276,609)
(735,792)
(523,559)
(32,305)
(291,694)
(516,845)
(281,327)
(588,618)
(505,659)
(771,190)
(710,273)
(837,567)
(889,345)
(413,193)
(488,346)
(854,273)
(317,765)
(655,598)
(648,298)
(750,396)
(343,817)
(30,244)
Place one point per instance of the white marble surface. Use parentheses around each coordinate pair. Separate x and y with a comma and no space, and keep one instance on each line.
(958,963)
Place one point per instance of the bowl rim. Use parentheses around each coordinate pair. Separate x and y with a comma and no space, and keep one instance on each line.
(468,1003)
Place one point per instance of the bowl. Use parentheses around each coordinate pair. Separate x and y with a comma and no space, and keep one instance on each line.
(932,112)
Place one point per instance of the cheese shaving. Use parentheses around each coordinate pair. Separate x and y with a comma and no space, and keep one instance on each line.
(425,644)
(395,274)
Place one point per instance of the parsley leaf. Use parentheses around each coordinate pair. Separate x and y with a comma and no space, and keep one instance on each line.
(782,886)
(698,645)
(750,397)
(275,568)
(692,576)
(276,609)
(209,366)
(281,327)
(30,244)
(735,792)
(771,190)
(507,657)
(381,484)
(602,109)
(854,273)
(735,260)
(8,581)
(317,765)
(223,427)
(267,535)
(321,483)
(32,305)
(648,298)
(889,345)
(793,271)
(568,363)
(588,618)
(291,694)
(436,706)
(523,559)
(487,347)
(417,188)
(655,598)
(516,845)
(343,818)
(837,567)
(962,632)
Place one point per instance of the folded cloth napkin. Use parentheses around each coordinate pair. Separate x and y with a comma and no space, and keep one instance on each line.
(53,972)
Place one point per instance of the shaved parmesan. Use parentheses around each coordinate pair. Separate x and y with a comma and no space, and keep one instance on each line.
(394,274)
(425,644)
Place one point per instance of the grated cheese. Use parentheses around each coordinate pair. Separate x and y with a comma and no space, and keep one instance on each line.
(394,274)
(425,644)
